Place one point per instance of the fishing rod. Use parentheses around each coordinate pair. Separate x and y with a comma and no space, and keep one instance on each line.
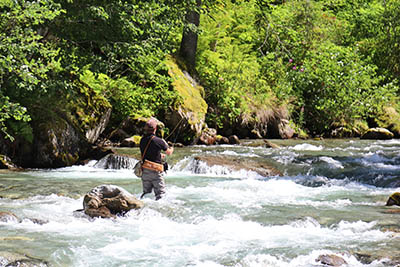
(177,134)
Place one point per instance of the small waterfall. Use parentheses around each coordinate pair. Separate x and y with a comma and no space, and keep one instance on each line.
(112,161)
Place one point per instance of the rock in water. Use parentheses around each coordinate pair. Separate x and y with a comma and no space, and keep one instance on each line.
(331,260)
(6,216)
(394,199)
(16,259)
(106,201)
(378,134)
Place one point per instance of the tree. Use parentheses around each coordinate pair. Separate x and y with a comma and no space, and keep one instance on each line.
(26,57)
(188,47)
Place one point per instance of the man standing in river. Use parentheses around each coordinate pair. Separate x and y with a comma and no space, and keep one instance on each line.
(153,169)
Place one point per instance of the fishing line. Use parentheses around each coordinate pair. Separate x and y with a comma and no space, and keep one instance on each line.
(176,136)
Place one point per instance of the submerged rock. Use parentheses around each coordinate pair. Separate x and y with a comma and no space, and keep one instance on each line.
(6,216)
(331,260)
(106,201)
(15,259)
(237,164)
(386,258)
(269,144)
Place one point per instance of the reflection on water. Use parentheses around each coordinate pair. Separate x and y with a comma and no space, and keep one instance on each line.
(330,200)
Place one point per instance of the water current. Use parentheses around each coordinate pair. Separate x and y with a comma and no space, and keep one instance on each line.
(330,200)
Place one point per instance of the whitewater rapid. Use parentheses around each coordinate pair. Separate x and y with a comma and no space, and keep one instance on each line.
(322,204)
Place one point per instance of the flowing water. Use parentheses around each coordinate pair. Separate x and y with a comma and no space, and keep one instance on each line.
(330,200)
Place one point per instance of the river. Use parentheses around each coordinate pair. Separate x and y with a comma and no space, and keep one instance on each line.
(330,200)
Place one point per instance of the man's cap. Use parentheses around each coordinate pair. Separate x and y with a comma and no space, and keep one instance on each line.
(150,125)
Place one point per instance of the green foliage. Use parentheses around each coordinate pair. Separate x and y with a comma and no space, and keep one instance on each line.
(25,58)
(227,63)
(331,62)
(315,54)
(129,99)
(122,56)
(336,86)
(10,111)
(387,55)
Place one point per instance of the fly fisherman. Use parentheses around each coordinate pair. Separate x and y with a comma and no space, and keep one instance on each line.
(153,169)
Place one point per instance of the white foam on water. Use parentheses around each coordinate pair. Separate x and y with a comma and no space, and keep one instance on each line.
(155,235)
(332,162)
(383,166)
(192,167)
(307,147)
(82,172)
(253,194)
(229,153)
(160,240)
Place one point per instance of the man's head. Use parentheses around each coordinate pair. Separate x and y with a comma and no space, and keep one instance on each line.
(150,126)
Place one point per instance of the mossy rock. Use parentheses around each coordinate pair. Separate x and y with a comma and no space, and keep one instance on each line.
(389,118)
(190,92)
(190,112)
(64,131)
(378,134)
(58,144)
(6,163)
(394,199)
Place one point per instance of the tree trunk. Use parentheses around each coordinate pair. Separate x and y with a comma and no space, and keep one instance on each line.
(189,38)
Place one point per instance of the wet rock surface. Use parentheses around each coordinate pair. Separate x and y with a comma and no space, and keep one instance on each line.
(394,199)
(107,201)
(14,259)
(6,216)
(378,134)
(331,260)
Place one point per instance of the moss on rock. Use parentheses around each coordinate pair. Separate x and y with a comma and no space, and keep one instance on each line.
(190,92)
(188,115)
(389,118)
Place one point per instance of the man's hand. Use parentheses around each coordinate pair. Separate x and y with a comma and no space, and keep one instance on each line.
(169,151)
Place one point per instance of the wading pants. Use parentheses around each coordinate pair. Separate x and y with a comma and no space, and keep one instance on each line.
(153,180)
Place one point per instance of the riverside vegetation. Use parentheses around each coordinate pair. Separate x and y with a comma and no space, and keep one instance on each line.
(75,72)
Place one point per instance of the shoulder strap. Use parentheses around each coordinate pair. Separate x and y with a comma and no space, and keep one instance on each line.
(147,146)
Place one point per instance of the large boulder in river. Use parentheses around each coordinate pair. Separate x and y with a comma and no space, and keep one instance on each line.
(394,199)
(106,201)
(235,164)
(378,134)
